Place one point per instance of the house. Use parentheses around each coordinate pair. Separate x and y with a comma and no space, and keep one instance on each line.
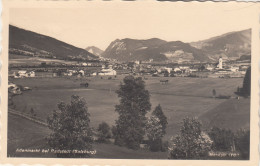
(31,74)
(176,69)
(193,70)
(137,62)
(81,72)
(24,73)
(234,68)
(210,67)
(184,67)
(84,64)
(168,69)
(14,89)
(95,73)
(107,72)
(243,67)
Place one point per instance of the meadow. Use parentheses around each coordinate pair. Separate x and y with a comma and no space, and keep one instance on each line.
(180,98)
(31,135)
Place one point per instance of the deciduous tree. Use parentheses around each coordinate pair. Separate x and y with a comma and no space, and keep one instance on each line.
(154,131)
(163,119)
(134,104)
(70,127)
(192,143)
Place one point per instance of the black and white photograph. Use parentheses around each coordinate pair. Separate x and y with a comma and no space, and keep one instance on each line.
(129,81)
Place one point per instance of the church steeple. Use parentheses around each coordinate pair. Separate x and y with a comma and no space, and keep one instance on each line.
(220,61)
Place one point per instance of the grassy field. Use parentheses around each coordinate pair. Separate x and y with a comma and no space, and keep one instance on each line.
(232,114)
(31,135)
(180,98)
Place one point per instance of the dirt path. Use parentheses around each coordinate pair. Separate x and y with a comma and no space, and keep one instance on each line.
(26,117)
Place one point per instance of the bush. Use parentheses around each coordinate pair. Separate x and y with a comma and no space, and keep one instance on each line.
(165,146)
(154,133)
(104,133)
(242,142)
(192,143)
(155,145)
(223,139)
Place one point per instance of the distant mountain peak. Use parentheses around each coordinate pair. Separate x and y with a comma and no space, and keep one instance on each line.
(94,50)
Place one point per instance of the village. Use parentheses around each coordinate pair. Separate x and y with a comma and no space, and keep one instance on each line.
(221,69)
(109,69)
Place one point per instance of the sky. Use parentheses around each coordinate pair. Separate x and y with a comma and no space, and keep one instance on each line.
(100,23)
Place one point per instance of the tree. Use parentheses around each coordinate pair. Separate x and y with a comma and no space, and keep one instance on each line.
(214,93)
(238,89)
(242,142)
(163,119)
(166,74)
(247,83)
(192,143)
(155,133)
(201,68)
(33,114)
(134,104)
(70,127)
(59,73)
(223,139)
(104,132)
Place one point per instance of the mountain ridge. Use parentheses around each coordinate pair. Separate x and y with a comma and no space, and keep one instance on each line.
(159,50)
(27,42)
(231,45)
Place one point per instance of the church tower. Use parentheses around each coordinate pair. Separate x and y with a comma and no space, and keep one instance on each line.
(220,63)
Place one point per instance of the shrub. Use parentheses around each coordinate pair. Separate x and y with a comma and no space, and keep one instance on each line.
(223,139)
(104,132)
(192,143)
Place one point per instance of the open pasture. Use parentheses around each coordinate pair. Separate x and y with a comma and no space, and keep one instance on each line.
(180,98)
(25,134)
(31,135)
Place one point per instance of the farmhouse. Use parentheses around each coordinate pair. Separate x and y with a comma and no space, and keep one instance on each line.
(81,72)
(31,74)
(168,69)
(24,73)
(209,67)
(14,89)
(107,72)
(84,64)
(234,68)
(177,69)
